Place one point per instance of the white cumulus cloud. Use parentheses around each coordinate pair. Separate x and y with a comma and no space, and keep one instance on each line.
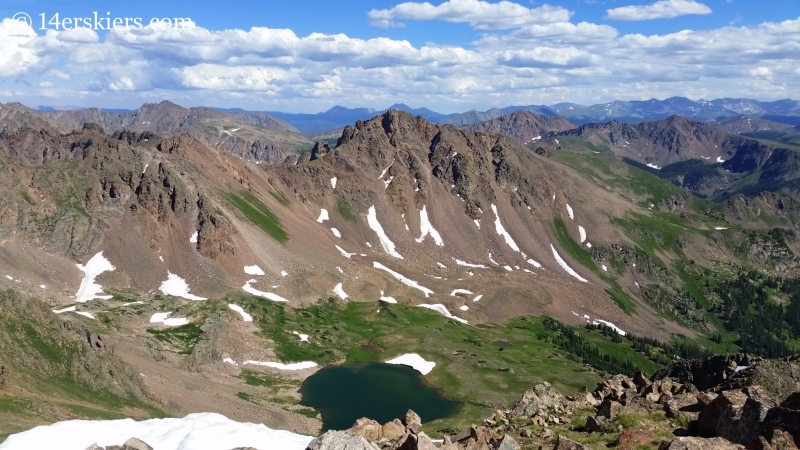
(662,9)
(480,14)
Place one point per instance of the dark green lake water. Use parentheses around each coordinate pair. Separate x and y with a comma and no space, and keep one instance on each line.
(379,391)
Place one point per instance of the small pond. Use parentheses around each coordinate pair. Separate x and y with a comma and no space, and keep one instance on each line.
(343,394)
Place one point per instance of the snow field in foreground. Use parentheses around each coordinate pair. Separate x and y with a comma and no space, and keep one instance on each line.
(89,290)
(414,361)
(193,432)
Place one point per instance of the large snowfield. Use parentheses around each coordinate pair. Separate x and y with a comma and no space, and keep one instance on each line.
(201,431)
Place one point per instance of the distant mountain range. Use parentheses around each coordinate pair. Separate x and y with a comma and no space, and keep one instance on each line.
(783,111)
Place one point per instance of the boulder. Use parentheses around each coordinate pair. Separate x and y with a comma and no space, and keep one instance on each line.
(784,419)
(792,402)
(135,444)
(341,440)
(370,429)
(640,381)
(508,443)
(543,396)
(697,443)
(683,404)
(393,430)
(592,425)
(412,422)
(740,425)
(609,409)
(563,443)
(720,408)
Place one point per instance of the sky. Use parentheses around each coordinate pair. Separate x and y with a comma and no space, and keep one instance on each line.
(449,56)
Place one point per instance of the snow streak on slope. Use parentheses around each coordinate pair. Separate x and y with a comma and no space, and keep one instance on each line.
(333,182)
(403,279)
(441,309)
(386,243)
(582,232)
(177,286)
(88,289)
(466,264)
(502,231)
(344,253)
(388,299)
(426,228)
(246,317)
(564,265)
(336,232)
(460,291)
(193,432)
(570,212)
(268,295)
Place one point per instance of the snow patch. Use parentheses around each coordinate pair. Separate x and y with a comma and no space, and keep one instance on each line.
(388,299)
(386,169)
(338,290)
(246,317)
(477,298)
(284,273)
(386,243)
(653,166)
(230,361)
(403,279)
(195,431)
(441,265)
(68,309)
(427,229)
(508,268)
(720,160)
(588,245)
(460,291)
(534,263)
(464,308)
(477,223)
(163,318)
(193,238)
(333,182)
(570,212)
(336,233)
(605,269)
(303,337)
(145,168)
(268,295)
(88,289)
(582,232)
(720,228)
(253,270)
(323,215)
(564,265)
(177,286)
(386,183)
(281,366)
(441,309)
(414,361)
(339,269)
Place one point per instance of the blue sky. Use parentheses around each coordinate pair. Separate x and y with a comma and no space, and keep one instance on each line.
(447,55)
